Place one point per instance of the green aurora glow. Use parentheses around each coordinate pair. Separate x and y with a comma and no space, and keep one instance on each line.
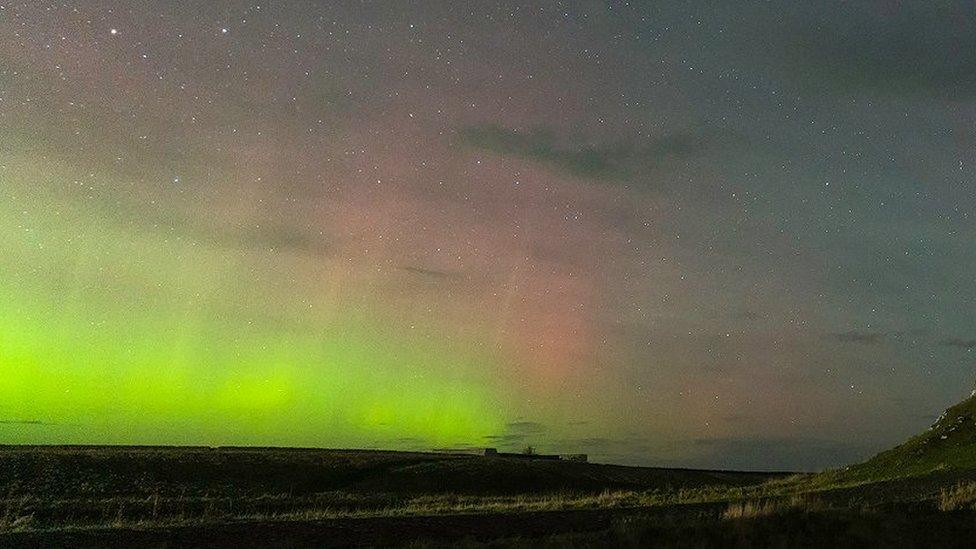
(121,337)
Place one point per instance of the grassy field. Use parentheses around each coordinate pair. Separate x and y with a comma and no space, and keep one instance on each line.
(85,487)
(97,496)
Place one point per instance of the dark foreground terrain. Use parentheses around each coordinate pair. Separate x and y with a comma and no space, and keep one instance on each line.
(919,494)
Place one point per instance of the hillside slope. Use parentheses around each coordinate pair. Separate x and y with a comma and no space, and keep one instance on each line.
(948,446)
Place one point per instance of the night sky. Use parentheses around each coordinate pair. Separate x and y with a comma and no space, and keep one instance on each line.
(716,234)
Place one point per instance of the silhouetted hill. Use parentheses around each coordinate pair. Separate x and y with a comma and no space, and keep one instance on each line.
(141,471)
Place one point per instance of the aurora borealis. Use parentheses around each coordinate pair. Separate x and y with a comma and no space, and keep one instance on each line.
(663,233)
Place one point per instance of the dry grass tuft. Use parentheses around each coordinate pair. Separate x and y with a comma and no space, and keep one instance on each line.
(765,508)
(960,496)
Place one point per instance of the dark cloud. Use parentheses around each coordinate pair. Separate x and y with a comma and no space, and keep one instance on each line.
(747,315)
(432,273)
(732,453)
(628,449)
(517,432)
(409,440)
(853,336)
(596,442)
(923,49)
(959,343)
(877,338)
(525,427)
(542,146)
(275,238)
(505,439)
(267,235)
(737,418)
(775,454)
(608,162)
